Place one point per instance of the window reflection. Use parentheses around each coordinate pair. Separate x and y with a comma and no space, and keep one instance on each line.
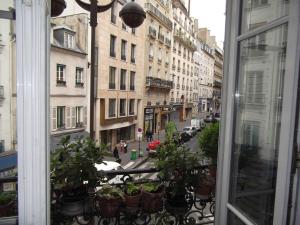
(257,125)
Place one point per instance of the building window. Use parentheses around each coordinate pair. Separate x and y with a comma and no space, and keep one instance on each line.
(111,107)
(60,74)
(79,77)
(123,49)
(151,52)
(132,79)
(113,17)
(131,106)
(112,77)
(69,40)
(60,124)
(112,52)
(133,53)
(79,116)
(123,80)
(122,107)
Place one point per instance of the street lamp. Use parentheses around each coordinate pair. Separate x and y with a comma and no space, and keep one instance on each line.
(132,15)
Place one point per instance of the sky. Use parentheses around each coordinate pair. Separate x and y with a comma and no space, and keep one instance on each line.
(210,14)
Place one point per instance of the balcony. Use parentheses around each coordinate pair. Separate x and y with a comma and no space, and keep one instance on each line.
(159,15)
(152,32)
(168,42)
(153,82)
(183,87)
(61,83)
(78,84)
(1,92)
(161,38)
(179,36)
(174,49)
(178,86)
(178,69)
(173,67)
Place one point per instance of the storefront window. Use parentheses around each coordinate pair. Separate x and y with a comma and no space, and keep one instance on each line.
(258,110)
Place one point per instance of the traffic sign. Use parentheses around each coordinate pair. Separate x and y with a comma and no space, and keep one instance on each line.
(140,130)
(139,135)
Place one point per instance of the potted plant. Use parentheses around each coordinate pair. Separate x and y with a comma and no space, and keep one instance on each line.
(73,173)
(132,195)
(7,203)
(152,197)
(109,200)
(175,164)
(208,143)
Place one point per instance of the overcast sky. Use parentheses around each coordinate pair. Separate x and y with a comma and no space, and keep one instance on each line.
(211,14)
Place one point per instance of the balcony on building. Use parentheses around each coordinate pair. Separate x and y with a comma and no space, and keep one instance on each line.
(79,84)
(174,49)
(173,67)
(60,82)
(178,86)
(168,42)
(152,32)
(154,82)
(154,11)
(183,71)
(161,38)
(183,87)
(178,69)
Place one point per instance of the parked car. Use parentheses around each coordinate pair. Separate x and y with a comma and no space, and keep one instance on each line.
(192,131)
(111,165)
(196,123)
(185,137)
(210,119)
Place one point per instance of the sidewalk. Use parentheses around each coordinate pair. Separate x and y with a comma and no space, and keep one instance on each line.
(127,163)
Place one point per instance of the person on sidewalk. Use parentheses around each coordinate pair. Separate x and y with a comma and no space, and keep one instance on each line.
(116,153)
(151,136)
(148,135)
(122,143)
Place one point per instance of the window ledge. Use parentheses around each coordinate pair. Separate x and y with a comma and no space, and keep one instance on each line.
(67,131)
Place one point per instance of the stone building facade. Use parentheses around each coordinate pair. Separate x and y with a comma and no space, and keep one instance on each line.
(158,82)
(69,83)
(183,48)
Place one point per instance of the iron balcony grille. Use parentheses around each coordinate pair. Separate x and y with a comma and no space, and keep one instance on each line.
(155,11)
(79,84)
(122,87)
(158,83)
(168,42)
(161,38)
(152,32)
(61,82)
(112,86)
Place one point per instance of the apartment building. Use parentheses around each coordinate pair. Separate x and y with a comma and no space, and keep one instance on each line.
(218,76)
(69,86)
(196,87)
(183,48)
(205,47)
(158,82)
(120,82)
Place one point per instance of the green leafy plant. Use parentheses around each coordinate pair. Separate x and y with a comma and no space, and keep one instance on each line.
(151,187)
(208,142)
(72,163)
(110,192)
(132,189)
(175,164)
(171,131)
(7,197)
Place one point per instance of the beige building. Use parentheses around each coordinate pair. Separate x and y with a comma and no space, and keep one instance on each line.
(120,82)
(218,76)
(69,86)
(183,65)
(157,45)
(205,46)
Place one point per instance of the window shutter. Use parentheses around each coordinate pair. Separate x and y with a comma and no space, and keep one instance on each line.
(68,113)
(84,115)
(54,121)
(73,117)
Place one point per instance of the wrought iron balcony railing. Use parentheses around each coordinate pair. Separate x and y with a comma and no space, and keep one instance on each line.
(168,42)
(161,38)
(158,83)
(152,32)
(156,12)
(173,66)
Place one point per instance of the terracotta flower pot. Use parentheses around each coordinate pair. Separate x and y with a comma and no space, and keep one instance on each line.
(108,207)
(133,201)
(152,202)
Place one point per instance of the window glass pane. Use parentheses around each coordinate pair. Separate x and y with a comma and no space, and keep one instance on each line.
(257,124)
(256,13)
(8,128)
(233,219)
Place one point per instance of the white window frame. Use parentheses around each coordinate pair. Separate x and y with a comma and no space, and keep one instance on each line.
(33,114)
(232,38)
(69,40)
(79,75)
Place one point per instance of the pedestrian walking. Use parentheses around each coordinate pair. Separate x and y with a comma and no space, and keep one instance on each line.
(148,135)
(151,136)
(116,153)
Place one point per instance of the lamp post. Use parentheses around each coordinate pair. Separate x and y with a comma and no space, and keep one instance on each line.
(132,15)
